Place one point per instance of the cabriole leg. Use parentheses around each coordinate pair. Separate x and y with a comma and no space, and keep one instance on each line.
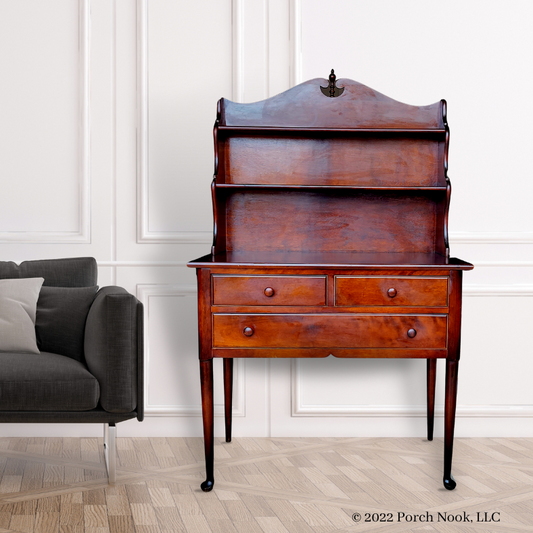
(431,375)
(449,421)
(228,395)
(206,378)
(110,452)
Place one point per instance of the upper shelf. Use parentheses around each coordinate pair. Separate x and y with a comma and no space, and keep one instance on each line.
(357,108)
(348,132)
(282,186)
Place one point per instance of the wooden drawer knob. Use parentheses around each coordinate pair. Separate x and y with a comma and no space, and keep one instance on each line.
(411,333)
(392,293)
(269,291)
(248,332)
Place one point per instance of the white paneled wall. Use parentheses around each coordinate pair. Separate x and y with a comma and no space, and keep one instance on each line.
(45,136)
(107,150)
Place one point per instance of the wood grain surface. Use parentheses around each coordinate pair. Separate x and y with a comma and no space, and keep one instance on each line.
(357,161)
(269,290)
(263,485)
(390,291)
(319,221)
(304,106)
(329,331)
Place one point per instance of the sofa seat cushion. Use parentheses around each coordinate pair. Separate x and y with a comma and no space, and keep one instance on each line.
(45,382)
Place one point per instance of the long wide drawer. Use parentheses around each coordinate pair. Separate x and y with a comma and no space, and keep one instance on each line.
(391,291)
(269,290)
(332,330)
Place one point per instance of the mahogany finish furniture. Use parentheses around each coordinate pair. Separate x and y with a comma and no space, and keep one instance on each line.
(330,237)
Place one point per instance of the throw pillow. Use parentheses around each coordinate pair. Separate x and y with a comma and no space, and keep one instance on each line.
(18,302)
(61,316)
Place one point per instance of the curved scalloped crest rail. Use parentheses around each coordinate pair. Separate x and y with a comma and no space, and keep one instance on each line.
(358,107)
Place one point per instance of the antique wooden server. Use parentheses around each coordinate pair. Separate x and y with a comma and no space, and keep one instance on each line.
(330,237)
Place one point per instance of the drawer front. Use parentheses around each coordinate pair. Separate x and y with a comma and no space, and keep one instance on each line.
(269,290)
(391,291)
(329,331)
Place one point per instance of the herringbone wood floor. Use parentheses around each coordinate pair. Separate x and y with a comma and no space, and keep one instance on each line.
(279,485)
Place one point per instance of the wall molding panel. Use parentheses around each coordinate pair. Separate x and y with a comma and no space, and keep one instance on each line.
(295,42)
(83,234)
(502,264)
(142,120)
(85,140)
(492,264)
(299,409)
(142,264)
(144,234)
(238,7)
(146,294)
(494,237)
(498,290)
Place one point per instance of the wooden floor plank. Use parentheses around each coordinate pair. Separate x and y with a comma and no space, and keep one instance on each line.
(307,485)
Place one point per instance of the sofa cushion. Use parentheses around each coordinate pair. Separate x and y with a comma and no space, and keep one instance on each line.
(60,321)
(69,272)
(18,302)
(45,382)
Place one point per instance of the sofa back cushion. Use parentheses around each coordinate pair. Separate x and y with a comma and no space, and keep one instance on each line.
(61,316)
(68,291)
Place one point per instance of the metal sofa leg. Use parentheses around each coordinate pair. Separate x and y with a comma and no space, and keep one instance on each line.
(110,452)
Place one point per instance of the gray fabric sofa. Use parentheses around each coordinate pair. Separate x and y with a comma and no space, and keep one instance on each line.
(90,365)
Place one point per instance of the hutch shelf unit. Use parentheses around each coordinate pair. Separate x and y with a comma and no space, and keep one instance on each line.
(330,238)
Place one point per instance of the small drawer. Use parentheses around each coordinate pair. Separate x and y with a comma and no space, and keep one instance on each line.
(391,291)
(329,331)
(269,290)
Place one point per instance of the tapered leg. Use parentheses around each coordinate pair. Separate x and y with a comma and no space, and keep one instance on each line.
(110,451)
(431,375)
(206,378)
(228,395)
(449,421)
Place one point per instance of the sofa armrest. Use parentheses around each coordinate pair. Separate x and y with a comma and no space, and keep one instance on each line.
(114,349)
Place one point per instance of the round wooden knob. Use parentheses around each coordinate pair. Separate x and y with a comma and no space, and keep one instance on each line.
(269,291)
(411,333)
(392,293)
(248,332)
